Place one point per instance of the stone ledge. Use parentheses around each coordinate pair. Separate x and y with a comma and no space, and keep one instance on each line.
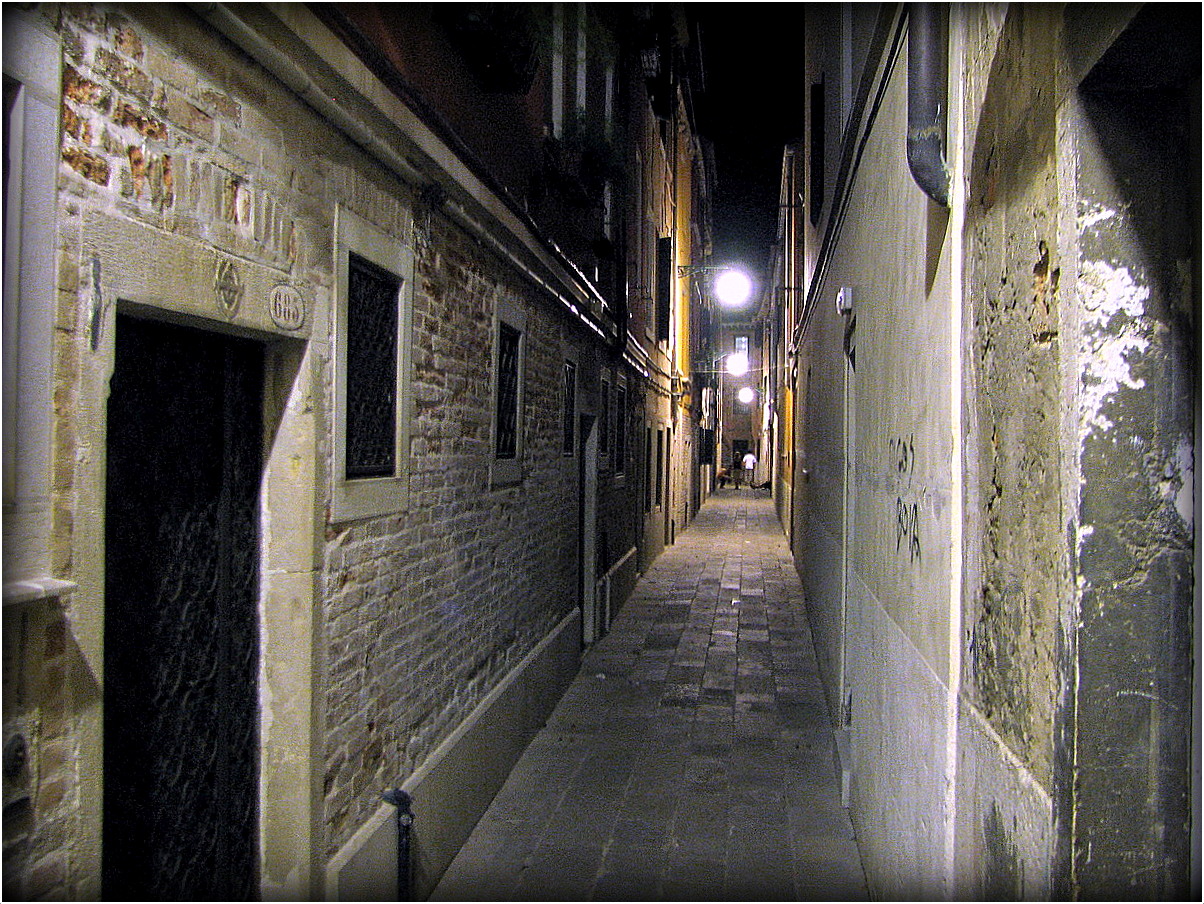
(456,784)
(36,590)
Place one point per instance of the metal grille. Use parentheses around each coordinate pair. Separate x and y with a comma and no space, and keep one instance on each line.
(181,619)
(371,370)
(507,391)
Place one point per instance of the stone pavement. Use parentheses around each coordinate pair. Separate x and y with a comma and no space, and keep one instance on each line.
(693,756)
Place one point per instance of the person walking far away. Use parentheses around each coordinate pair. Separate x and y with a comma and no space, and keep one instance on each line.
(750,464)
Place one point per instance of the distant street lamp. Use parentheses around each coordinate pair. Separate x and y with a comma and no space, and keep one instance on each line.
(746,395)
(736,364)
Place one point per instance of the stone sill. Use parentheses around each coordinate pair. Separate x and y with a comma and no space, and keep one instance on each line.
(18,593)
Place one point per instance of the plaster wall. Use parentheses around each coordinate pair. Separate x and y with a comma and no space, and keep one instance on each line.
(898,740)
(891,511)
(997,506)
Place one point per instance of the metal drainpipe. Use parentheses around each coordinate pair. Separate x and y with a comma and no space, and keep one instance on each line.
(927,81)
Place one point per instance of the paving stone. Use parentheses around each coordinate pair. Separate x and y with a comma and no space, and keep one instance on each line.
(626,885)
(692,758)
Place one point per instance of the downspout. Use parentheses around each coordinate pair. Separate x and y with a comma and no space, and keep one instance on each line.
(927,111)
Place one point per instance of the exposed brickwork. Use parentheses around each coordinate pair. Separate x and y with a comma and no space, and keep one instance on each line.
(422,612)
(621,491)
(92,167)
(130,117)
(426,611)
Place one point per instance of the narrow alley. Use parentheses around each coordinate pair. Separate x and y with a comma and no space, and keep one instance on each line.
(375,376)
(693,756)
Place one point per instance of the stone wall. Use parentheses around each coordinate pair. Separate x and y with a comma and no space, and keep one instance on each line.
(1133,157)
(1017,569)
(41,797)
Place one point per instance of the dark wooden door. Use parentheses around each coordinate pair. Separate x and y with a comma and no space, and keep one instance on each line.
(181,614)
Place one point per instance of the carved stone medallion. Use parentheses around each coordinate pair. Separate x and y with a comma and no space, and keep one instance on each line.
(228,287)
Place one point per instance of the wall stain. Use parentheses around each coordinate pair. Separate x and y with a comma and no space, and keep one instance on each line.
(1003,876)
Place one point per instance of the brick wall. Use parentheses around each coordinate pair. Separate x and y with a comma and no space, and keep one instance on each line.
(426,611)
(422,612)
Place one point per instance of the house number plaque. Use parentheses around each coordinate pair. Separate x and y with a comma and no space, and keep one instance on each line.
(287,308)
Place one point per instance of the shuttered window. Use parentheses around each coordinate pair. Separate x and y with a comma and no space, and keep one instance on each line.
(664,286)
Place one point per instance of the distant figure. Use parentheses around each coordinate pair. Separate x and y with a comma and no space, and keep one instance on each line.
(724,475)
(750,463)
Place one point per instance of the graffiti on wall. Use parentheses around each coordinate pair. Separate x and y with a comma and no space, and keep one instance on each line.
(907,528)
(907,513)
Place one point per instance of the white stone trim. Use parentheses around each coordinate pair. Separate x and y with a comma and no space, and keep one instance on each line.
(31,58)
(354,499)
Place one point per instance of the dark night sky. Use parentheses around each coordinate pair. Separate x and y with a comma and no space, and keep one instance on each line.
(751,108)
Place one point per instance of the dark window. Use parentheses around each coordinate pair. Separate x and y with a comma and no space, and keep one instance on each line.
(12,90)
(664,286)
(647,469)
(817,151)
(507,391)
(706,448)
(604,424)
(660,467)
(372,295)
(570,407)
(620,429)
(668,485)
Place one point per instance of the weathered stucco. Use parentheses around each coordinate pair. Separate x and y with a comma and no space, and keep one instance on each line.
(1060,727)
(1138,360)
(1016,581)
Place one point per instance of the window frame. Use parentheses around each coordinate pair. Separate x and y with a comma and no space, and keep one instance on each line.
(604,422)
(31,70)
(367,497)
(619,438)
(507,471)
(568,408)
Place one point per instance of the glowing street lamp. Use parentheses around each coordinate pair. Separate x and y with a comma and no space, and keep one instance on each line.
(732,287)
(746,395)
(736,364)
